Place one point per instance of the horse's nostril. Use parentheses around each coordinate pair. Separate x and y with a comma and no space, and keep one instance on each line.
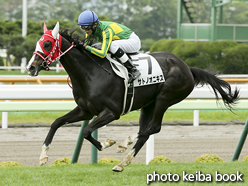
(31,68)
(32,71)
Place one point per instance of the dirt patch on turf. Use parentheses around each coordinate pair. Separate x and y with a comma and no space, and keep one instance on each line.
(177,142)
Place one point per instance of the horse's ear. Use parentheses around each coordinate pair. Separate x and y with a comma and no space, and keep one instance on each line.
(55,30)
(44,28)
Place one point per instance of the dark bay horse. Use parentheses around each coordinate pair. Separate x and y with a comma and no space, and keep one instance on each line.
(98,91)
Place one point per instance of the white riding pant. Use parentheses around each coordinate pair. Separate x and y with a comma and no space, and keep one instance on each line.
(130,45)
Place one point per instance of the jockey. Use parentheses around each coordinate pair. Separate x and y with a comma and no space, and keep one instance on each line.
(115,38)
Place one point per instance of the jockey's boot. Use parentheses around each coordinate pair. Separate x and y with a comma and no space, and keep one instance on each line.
(134,73)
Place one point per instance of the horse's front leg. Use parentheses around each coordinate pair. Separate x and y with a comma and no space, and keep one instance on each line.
(105,117)
(75,115)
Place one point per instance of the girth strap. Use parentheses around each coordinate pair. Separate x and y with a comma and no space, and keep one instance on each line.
(129,99)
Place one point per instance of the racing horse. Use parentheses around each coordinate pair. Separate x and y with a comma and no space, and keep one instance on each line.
(98,91)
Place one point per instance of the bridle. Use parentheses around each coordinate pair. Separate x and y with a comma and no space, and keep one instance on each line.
(50,58)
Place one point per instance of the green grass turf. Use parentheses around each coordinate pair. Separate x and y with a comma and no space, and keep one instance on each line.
(133,175)
(211,116)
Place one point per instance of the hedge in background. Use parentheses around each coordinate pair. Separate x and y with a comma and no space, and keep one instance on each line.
(10,164)
(160,160)
(61,161)
(109,161)
(228,57)
(209,158)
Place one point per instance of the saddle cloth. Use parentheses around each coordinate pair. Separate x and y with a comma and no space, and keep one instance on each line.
(151,73)
(148,66)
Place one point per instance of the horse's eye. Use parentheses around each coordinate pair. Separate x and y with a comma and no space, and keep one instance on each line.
(47,45)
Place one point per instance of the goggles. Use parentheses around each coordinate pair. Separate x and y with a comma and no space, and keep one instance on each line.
(86,27)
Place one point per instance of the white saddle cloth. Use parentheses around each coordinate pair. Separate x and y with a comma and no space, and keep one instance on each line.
(151,72)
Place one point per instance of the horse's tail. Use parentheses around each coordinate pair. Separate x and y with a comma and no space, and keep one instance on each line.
(229,97)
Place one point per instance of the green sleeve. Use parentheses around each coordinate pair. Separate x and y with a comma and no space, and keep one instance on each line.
(107,36)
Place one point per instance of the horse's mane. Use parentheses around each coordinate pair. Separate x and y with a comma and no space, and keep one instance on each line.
(71,36)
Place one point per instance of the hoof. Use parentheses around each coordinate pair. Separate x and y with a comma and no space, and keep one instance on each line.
(121,149)
(110,142)
(43,161)
(118,168)
(107,143)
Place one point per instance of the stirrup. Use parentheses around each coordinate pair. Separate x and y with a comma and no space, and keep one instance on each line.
(132,77)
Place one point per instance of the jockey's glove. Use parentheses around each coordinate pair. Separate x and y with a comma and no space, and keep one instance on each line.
(78,44)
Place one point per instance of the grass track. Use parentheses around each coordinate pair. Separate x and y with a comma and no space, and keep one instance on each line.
(49,117)
(102,175)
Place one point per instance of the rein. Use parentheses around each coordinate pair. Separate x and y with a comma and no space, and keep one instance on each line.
(106,70)
(68,82)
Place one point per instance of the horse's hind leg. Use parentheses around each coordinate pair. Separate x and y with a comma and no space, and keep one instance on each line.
(150,121)
(146,117)
(128,141)
(73,116)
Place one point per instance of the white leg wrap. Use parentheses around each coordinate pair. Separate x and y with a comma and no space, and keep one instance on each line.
(43,155)
(107,143)
(126,161)
(130,139)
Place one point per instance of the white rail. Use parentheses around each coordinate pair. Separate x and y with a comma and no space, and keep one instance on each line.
(64,92)
(23,68)
(35,92)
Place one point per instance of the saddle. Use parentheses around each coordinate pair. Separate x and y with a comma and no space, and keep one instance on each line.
(150,70)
